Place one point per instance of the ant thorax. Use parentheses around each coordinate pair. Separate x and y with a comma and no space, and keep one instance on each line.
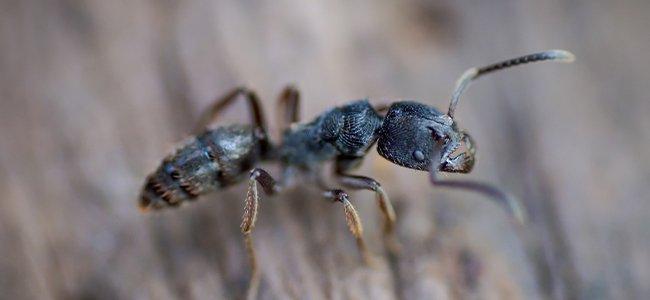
(349,130)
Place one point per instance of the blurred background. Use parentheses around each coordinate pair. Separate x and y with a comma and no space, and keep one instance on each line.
(94,93)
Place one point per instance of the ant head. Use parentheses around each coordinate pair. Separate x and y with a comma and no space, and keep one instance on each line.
(412,133)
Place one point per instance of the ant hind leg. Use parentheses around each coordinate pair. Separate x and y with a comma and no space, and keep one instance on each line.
(211,114)
(258,120)
(251,207)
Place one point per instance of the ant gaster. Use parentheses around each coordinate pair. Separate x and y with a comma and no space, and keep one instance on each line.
(410,134)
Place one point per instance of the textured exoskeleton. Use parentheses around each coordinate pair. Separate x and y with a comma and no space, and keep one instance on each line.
(409,134)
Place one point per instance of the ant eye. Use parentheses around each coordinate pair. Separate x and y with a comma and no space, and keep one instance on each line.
(418,155)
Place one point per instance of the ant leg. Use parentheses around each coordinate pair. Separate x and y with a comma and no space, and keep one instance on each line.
(289,102)
(366,183)
(251,206)
(257,114)
(462,164)
(352,219)
(211,114)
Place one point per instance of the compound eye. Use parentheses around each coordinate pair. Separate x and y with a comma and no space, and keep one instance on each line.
(418,155)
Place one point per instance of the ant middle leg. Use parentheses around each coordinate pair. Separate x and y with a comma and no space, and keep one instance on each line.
(289,102)
(352,219)
(343,164)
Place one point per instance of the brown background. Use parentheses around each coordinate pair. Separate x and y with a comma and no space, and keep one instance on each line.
(94,93)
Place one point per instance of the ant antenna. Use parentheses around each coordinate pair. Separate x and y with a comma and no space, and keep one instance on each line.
(463,82)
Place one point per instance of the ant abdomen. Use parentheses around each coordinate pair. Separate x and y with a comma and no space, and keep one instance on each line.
(204,163)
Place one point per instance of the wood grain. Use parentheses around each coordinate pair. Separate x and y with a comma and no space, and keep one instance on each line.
(94,93)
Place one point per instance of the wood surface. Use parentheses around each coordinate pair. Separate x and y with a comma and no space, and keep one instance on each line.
(94,93)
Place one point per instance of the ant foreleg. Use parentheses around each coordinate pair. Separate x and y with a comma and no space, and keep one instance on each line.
(353,220)
(251,206)
(513,205)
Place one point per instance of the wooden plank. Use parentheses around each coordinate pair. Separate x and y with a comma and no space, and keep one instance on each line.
(94,93)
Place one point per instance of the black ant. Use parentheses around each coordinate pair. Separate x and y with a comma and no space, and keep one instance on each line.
(410,134)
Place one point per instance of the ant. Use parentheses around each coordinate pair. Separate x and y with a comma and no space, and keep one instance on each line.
(407,133)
